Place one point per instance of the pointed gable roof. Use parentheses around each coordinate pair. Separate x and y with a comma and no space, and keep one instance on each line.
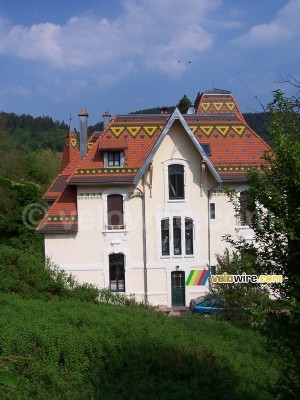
(176,115)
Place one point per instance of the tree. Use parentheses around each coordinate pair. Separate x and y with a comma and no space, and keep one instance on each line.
(274,199)
(184,104)
(245,295)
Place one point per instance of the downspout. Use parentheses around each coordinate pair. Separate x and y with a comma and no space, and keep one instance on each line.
(151,178)
(144,244)
(208,222)
(202,177)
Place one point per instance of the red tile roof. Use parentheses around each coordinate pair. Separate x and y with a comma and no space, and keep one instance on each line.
(235,148)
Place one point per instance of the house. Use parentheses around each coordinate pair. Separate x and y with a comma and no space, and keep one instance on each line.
(137,207)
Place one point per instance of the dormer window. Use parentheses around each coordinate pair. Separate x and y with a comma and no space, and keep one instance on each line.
(113,151)
(113,159)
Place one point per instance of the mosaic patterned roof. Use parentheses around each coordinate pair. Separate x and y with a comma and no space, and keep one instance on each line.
(217,122)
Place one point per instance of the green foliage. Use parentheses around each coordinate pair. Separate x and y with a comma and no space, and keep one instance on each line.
(260,123)
(274,200)
(7,378)
(75,350)
(239,296)
(31,134)
(184,104)
(155,110)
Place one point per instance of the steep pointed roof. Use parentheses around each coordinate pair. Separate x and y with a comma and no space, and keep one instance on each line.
(70,159)
(71,149)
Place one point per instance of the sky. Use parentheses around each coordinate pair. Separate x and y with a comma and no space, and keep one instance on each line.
(57,57)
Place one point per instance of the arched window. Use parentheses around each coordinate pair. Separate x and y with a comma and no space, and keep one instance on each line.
(115,214)
(117,272)
(176,181)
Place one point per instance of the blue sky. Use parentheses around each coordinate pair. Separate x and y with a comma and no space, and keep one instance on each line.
(57,57)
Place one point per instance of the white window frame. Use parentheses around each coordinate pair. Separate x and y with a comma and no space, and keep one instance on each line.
(166,164)
(105,159)
(125,196)
(170,218)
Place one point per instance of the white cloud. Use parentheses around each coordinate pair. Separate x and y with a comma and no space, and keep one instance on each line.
(285,27)
(152,32)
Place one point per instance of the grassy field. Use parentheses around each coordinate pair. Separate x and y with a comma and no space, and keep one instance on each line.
(79,350)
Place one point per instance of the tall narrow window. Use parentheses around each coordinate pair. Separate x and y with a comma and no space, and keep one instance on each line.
(189,250)
(165,237)
(177,236)
(117,272)
(176,181)
(245,213)
(115,215)
(212,211)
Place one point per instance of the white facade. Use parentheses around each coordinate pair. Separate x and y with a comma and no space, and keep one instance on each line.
(148,272)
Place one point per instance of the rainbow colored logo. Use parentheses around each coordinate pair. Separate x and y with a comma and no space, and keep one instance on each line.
(197,277)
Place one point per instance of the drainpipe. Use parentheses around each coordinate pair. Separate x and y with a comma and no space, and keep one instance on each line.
(144,244)
(208,222)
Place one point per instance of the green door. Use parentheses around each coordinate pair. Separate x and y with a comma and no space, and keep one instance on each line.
(178,288)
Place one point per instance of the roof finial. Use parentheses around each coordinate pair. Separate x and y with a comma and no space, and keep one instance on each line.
(70,126)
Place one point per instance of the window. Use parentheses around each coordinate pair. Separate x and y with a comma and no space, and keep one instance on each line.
(212,210)
(114,159)
(165,237)
(189,240)
(245,213)
(117,272)
(177,235)
(206,148)
(115,215)
(176,181)
(182,240)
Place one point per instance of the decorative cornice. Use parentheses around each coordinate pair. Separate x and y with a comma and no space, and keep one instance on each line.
(236,168)
(61,218)
(92,171)
(89,196)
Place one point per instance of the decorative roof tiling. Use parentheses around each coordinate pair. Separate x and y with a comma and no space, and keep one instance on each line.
(217,101)
(62,216)
(230,139)
(135,134)
(71,150)
(56,188)
(108,143)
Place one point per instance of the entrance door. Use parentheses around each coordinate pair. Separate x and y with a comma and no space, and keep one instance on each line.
(178,288)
